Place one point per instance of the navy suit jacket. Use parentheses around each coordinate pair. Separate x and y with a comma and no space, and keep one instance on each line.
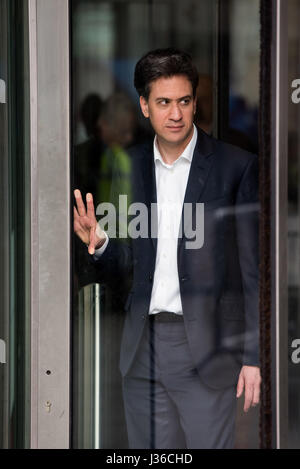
(219,282)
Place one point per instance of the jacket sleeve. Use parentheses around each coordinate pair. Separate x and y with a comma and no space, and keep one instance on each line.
(247,223)
(115,264)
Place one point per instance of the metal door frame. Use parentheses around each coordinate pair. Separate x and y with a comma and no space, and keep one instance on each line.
(50,222)
(279,197)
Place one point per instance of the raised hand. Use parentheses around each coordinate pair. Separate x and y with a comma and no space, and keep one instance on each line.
(85,223)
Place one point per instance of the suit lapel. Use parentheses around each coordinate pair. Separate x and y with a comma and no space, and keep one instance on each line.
(199,172)
(149,181)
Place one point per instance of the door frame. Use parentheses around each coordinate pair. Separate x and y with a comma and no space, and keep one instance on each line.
(50,223)
(279,198)
(49,35)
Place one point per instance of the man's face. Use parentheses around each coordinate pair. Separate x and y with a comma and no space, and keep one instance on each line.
(171,108)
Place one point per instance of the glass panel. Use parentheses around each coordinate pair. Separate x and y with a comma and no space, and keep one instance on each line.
(15,232)
(109,37)
(294,224)
(244,74)
(244,45)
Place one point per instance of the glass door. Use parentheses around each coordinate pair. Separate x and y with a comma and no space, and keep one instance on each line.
(108,38)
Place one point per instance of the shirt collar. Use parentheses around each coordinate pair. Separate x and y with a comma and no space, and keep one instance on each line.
(187,153)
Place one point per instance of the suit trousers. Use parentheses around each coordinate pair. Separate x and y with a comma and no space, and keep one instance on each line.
(166,403)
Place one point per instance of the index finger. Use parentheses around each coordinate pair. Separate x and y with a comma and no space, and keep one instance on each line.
(248,397)
(79,203)
(256,395)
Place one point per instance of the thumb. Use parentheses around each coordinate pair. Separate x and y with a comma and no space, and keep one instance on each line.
(240,386)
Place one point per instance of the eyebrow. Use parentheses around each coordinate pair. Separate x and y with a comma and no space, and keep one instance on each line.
(179,99)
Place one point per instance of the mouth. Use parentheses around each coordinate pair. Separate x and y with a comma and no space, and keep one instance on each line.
(175,128)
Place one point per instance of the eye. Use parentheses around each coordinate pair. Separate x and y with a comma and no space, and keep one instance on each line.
(186,101)
(163,102)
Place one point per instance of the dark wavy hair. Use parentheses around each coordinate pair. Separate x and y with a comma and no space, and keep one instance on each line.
(163,63)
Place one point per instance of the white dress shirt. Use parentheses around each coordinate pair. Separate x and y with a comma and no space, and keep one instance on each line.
(171,182)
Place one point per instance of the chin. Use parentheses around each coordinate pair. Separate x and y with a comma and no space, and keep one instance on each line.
(177,137)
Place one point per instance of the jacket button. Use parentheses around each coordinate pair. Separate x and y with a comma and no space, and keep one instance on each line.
(150,277)
(183,279)
(143,317)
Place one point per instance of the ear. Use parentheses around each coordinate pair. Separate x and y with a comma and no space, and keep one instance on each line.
(195,105)
(144,106)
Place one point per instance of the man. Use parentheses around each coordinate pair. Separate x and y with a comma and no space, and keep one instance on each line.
(190,339)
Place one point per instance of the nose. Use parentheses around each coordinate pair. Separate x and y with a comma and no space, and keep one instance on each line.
(175,113)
